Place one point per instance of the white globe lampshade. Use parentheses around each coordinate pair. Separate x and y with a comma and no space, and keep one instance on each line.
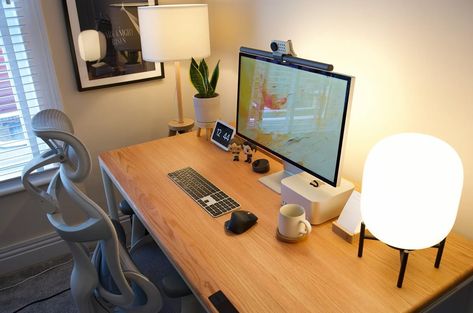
(174,32)
(92,45)
(412,184)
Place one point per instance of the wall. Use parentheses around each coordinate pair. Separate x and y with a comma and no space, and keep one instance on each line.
(412,61)
(104,119)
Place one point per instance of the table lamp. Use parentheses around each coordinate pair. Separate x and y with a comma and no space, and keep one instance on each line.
(412,185)
(174,33)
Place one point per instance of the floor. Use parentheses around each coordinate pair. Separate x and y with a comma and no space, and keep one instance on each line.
(44,288)
(19,291)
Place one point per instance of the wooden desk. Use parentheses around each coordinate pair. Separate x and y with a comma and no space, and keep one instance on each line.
(254,270)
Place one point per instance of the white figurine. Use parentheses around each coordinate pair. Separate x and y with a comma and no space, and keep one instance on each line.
(248,149)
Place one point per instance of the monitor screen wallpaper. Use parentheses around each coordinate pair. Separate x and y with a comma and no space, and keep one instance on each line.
(297,113)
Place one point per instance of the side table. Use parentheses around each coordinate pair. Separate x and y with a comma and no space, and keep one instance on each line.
(179,128)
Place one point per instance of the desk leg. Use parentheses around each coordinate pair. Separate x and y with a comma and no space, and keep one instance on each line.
(109,195)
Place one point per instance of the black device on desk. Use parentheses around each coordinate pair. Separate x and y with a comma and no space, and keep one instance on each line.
(240,222)
(260,166)
(221,303)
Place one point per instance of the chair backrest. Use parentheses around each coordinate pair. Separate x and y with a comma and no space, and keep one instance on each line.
(129,289)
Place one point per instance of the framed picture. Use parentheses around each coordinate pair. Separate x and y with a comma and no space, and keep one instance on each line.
(120,61)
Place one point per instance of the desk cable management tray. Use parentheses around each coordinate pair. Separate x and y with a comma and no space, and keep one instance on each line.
(213,200)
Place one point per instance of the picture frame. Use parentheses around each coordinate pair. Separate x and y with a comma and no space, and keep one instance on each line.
(117,20)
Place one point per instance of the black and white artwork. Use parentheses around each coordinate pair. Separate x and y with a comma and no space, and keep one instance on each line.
(120,61)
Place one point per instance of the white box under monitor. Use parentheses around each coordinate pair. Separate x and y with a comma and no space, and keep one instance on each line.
(320,203)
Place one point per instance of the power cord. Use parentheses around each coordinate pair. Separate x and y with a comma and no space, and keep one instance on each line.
(34,276)
(41,300)
(52,296)
(46,298)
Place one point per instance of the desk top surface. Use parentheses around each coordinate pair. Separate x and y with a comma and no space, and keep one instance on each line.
(257,272)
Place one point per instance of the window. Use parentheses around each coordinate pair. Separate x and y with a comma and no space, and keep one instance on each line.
(27,83)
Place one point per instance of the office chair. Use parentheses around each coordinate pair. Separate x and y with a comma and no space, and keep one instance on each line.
(110,279)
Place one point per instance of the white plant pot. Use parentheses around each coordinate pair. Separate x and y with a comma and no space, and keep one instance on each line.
(207,111)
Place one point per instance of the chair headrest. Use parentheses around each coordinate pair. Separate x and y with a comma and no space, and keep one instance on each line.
(52,120)
(55,128)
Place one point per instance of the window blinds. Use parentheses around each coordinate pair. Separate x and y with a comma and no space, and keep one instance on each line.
(27,83)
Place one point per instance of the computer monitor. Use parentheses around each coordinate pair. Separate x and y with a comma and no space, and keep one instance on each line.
(295,111)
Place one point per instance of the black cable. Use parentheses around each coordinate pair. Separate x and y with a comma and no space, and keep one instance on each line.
(41,300)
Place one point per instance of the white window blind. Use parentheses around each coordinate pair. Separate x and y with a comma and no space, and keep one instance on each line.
(27,83)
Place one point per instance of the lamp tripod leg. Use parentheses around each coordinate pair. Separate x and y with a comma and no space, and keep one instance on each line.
(362,240)
(440,247)
(404,254)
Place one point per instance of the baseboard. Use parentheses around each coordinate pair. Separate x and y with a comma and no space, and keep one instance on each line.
(37,249)
(32,251)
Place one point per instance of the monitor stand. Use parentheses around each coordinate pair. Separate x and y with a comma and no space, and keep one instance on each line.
(273,181)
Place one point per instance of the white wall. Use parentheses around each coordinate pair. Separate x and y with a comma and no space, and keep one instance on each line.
(413,63)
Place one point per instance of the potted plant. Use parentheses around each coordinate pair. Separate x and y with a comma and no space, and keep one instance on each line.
(206,100)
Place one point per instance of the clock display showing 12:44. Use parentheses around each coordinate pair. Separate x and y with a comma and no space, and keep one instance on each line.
(222,134)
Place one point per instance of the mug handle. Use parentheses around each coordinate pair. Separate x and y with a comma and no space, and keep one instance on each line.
(308,227)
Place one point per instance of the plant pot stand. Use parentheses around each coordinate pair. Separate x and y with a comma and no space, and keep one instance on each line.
(208,129)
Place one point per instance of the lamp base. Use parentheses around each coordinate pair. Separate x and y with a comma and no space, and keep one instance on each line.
(403,253)
(176,127)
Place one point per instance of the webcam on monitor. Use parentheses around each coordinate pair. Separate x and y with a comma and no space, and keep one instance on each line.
(281,47)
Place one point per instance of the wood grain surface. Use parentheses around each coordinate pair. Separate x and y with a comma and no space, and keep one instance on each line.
(257,272)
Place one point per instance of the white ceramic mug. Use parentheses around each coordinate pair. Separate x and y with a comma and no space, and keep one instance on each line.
(292,222)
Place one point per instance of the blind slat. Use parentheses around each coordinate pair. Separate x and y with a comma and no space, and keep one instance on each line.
(8,107)
(17,60)
(30,107)
(16,68)
(14,135)
(7,97)
(12,78)
(15,158)
(8,146)
(16,171)
(6,29)
(18,155)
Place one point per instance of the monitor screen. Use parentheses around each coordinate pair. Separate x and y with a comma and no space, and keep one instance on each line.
(295,112)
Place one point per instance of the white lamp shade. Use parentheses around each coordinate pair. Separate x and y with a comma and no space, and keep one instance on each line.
(412,184)
(92,45)
(174,32)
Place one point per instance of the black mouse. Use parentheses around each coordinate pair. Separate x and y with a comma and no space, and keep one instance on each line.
(240,221)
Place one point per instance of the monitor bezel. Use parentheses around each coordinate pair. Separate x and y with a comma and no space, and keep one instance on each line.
(346,110)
